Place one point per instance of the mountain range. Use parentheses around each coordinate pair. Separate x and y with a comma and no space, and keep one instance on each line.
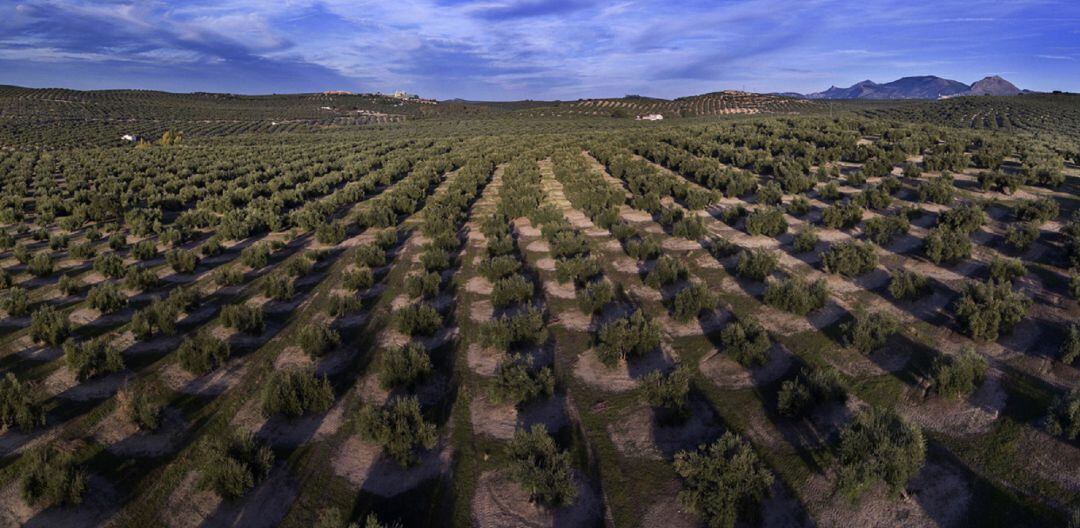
(920,87)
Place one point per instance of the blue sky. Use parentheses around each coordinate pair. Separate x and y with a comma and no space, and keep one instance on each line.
(538,49)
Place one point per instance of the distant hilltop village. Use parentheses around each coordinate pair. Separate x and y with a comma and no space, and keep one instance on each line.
(399,94)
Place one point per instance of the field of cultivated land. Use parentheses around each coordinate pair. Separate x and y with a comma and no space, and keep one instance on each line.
(771,321)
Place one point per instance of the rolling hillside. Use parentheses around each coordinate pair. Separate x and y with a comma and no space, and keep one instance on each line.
(727,102)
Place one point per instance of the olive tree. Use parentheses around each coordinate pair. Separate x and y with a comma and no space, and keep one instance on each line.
(19,407)
(812,387)
(295,393)
(850,258)
(508,330)
(538,465)
(691,301)
(868,332)
(723,481)
(51,477)
(626,338)
(317,339)
(746,341)
(202,352)
(756,264)
(1070,348)
(232,463)
(141,405)
(517,381)
(418,319)
(795,295)
(768,221)
(398,427)
(1063,416)
(958,375)
(907,285)
(878,445)
(49,325)
(669,393)
(944,244)
(92,358)
(985,310)
(404,366)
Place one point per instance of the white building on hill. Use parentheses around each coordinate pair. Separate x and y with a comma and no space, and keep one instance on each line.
(650,117)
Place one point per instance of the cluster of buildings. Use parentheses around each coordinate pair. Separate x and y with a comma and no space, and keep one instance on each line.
(404,96)
(400,95)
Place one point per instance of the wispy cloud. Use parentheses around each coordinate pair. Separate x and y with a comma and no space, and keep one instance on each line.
(508,49)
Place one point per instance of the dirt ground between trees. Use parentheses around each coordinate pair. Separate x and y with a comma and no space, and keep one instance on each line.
(625,376)
(973,414)
(262,507)
(500,502)
(501,421)
(123,438)
(211,384)
(366,467)
(939,495)
(638,432)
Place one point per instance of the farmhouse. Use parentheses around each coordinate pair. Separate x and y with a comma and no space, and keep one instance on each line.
(650,117)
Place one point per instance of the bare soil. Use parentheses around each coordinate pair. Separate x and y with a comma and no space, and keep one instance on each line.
(971,415)
(478,285)
(210,384)
(428,392)
(639,432)
(574,319)
(729,374)
(560,290)
(624,376)
(263,506)
(391,337)
(502,420)
(483,361)
(704,324)
(63,384)
(538,246)
(939,495)
(545,264)
(123,438)
(364,465)
(292,357)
